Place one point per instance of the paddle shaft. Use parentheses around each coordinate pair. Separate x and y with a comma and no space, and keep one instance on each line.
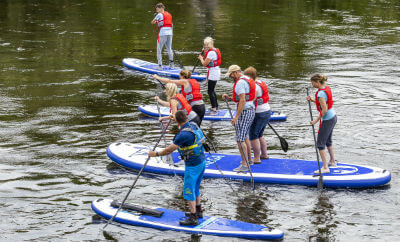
(320,181)
(161,125)
(137,177)
(241,147)
(283,142)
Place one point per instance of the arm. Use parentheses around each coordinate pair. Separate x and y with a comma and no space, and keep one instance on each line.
(182,82)
(324,110)
(310,99)
(171,148)
(226,96)
(242,102)
(164,103)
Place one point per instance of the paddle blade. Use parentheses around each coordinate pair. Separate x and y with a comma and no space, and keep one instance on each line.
(284,144)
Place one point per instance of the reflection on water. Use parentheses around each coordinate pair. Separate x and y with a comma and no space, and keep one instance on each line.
(323,218)
(251,206)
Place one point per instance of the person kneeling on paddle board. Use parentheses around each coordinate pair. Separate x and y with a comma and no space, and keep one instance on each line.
(327,118)
(243,94)
(189,142)
(190,89)
(177,101)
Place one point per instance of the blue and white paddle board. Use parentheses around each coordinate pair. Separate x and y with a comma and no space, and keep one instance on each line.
(152,68)
(280,171)
(170,221)
(220,115)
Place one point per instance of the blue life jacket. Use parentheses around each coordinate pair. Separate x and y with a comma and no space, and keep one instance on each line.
(196,148)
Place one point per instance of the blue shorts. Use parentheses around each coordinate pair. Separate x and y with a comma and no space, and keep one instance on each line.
(192,180)
(257,127)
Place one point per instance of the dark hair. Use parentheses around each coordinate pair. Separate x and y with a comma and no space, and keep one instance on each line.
(160,5)
(251,72)
(180,117)
(319,78)
(185,73)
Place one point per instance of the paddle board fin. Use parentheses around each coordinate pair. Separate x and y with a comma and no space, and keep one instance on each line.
(137,208)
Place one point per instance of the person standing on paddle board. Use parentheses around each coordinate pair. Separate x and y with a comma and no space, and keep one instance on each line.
(177,101)
(189,142)
(327,118)
(243,94)
(190,89)
(211,60)
(261,119)
(163,22)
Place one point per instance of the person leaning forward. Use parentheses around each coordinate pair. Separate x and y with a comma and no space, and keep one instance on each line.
(189,142)
(243,94)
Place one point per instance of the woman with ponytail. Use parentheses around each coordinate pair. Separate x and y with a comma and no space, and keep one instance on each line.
(327,118)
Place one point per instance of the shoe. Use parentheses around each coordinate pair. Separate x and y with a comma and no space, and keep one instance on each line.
(323,171)
(191,220)
(198,214)
(257,162)
(332,164)
(159,67)
(251,162)
(171,64)
(241,168)
(264,157)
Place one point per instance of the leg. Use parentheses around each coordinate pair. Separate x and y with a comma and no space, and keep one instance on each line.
(263,147)
(160,44)
(211,93)
(255,144)
(322,153)
(169,49)
(248,149)
(332,155)
(242,148)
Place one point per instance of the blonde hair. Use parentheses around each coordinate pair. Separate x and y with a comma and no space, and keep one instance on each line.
(251,72)
(185,73)
(209,42)
(319,78)
(171,89)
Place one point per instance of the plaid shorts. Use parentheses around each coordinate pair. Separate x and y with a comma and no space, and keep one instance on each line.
(243,124)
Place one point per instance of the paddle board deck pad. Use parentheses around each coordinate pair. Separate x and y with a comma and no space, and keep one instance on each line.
(220,115)
(272,170)
(170,221)
(152,68)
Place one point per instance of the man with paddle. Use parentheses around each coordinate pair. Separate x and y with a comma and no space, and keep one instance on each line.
(163,22)
(243,94)
(189,142)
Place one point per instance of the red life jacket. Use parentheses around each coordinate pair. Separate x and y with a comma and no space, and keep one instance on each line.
(249,96)
(195,94)
(214,63)
(167,20)
(265,96)
(329,102)
(184,103)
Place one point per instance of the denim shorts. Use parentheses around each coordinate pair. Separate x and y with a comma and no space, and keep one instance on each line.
(260,122)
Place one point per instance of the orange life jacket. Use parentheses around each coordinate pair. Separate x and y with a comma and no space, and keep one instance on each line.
(184,103)
(214,63)
(265,96)
(249,96)
(195,94)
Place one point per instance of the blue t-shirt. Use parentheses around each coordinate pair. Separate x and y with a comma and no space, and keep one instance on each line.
(331,112)
(164,30)
(243,87)
(186,138)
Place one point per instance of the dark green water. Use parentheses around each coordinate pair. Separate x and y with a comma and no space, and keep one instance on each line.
(64,96)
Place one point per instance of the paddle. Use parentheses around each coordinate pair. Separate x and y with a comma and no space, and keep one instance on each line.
(241,147)
(137,177)
(284,144)
(320,181)
(202,53)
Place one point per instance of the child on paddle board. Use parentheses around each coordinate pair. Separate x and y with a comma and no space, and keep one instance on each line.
(327,118)
(211,60)
(243,93)
(261,119)
(190,89)
(163,22)
(177,101)
(189,142)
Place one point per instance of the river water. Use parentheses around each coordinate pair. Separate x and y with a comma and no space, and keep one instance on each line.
(65,96)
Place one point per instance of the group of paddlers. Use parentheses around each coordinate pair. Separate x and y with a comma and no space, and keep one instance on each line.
(252,113)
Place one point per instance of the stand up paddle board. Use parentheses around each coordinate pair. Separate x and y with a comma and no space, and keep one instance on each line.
(220,115)
(152,68)
(169,220)
(280,171)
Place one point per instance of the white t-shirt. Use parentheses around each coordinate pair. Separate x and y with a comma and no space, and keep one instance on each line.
(214,73)
(265,106)
(164,30)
